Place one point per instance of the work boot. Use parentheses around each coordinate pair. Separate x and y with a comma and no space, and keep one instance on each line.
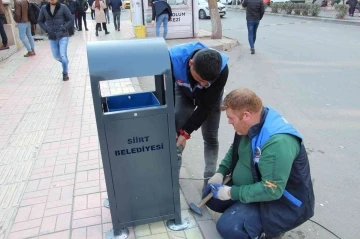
(207,176)
(252,51)
(65,77)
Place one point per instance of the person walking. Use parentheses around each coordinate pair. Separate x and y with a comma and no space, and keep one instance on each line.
(55,18)
(4,38)
(81,7)
(255,10)
(99,7)
(161,11)
(22,19)
(106,11)
(92,10)
(115,6)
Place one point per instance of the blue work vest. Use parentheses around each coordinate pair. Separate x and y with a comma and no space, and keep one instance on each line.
(180,56)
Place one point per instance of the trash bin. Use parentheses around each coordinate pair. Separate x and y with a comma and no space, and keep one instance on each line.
(136,132)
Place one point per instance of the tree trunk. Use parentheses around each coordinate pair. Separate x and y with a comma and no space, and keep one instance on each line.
(216,27)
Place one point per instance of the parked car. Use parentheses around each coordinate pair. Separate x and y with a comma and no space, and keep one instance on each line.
(204,11)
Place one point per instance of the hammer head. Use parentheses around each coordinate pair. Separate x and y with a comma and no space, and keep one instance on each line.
(195,209)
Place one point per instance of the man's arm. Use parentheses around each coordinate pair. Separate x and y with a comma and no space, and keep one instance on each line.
(208,100)
(225,165)
(17,16)
(245,3)
(153,11)
(262,9)
(41,19)
(275,165)
(69,18)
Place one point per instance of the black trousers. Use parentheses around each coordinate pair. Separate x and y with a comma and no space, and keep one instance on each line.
(81,16)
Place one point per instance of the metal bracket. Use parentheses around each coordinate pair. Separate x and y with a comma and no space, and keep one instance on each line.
(178,227)
(106,203)
(124,233)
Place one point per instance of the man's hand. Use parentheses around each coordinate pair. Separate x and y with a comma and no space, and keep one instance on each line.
(220,191)
(152,23)
(216,179)
(181,140)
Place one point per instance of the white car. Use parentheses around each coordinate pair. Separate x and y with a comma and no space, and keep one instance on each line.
(204,11)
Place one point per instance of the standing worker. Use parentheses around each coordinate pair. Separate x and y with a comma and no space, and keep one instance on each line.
(255,10)
(161,10)
(200,75)
(56,19)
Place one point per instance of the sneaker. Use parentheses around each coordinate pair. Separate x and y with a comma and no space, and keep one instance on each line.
(86,29)
(4,47)
(118,29)
(252,51)
(65,77)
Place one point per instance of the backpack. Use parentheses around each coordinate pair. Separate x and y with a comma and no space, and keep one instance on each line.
(34,11)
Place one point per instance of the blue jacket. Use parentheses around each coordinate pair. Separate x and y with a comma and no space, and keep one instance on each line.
(206,99)
(115,5)
(297,203)
(160,7)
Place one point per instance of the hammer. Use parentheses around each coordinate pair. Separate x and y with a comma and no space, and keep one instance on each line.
(196,208)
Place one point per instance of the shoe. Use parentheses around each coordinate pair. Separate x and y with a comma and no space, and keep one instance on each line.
(33,51)
(4,47)
(65,77)
(30,53)
(86,29)
(107,33)
(252,51)
(118,29)
(80,30)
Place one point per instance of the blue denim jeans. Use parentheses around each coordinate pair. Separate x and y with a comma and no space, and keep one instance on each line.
(59,51)
(25,30)
(238,220)
(116,16)
(252,29)
(163,18)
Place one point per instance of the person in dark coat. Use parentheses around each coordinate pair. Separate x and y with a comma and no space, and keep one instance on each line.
(161,10)
(81,7)
(352,6)
(56,19)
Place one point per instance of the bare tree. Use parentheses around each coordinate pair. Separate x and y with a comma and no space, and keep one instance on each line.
(216,27)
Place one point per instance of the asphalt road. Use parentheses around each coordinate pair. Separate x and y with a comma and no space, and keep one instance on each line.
(309,72)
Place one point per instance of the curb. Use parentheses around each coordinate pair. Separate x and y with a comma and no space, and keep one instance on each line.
(318,19)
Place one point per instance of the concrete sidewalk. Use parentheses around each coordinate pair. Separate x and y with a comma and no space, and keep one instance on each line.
(51,175)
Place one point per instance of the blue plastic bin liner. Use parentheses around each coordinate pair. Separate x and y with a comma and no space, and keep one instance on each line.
(131,101)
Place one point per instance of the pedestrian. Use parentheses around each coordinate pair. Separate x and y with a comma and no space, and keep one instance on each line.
(255,10)
(55,18)
(106,11)
(81,7)
(22,19)
(92,10)
(200,74)
(271,191)
(4,38)
(352,6)
(99,7)
(115,6)
(161,11)
(72,8)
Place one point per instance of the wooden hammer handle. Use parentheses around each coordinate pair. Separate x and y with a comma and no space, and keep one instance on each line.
(210,195)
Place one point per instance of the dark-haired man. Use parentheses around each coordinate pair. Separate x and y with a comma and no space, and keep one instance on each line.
(200,74)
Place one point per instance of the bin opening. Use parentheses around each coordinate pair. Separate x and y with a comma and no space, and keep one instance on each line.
(131,101)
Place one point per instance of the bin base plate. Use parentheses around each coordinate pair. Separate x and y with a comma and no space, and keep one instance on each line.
(124,233)
(178,227)
(106,203)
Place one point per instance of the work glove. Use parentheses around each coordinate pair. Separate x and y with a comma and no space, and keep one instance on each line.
(221,191)
(216,179)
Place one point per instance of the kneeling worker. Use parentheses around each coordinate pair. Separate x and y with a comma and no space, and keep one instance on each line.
(200,74)
(271,190)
